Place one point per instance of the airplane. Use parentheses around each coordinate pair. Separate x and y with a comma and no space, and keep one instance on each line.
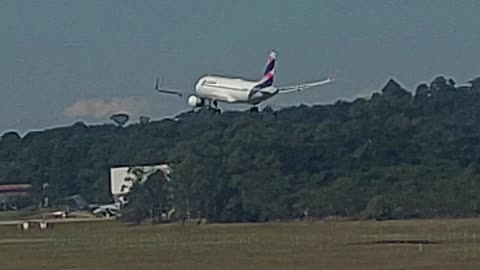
(107,210)
(209,90)
(59,214)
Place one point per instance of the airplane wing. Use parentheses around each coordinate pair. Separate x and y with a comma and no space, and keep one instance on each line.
(300,87)
(176,92)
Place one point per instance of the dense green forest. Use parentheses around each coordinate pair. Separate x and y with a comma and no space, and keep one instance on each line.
(396,154)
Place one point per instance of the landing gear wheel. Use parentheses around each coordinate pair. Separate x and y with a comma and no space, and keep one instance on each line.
(215,110)
(254,109)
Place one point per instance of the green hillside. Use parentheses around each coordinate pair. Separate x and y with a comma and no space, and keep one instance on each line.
(392,155)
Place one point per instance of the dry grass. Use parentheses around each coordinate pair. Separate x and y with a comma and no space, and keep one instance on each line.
(305,245)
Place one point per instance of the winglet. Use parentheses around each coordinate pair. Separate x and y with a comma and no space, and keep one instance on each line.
(331,77)
(158,84)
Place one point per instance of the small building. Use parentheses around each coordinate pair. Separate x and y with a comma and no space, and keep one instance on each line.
(10,191)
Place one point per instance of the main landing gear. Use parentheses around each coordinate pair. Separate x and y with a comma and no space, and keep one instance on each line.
(213,107)
(254,109)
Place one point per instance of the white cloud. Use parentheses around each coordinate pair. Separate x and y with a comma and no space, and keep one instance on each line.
(102,108)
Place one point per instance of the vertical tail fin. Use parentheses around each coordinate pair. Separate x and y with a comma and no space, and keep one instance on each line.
(269,73)
(270,66)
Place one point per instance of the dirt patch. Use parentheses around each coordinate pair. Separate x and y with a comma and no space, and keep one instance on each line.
(396,242)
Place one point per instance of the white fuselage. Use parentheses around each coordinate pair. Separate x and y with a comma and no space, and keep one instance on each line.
(231,90)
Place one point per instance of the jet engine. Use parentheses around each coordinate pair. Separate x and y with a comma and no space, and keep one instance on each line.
(195,101)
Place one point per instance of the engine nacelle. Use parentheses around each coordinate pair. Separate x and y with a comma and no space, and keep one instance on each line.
(195,101)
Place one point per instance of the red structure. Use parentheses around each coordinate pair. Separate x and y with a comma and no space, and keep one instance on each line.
(15,189)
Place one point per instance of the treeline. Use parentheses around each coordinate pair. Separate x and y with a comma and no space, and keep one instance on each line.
(392,155)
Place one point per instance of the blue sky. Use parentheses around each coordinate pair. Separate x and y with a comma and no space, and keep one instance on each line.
(64,61)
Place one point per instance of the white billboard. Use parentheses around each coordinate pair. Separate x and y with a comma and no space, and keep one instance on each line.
(121,177)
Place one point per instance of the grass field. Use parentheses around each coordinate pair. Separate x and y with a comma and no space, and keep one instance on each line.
(296,245)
